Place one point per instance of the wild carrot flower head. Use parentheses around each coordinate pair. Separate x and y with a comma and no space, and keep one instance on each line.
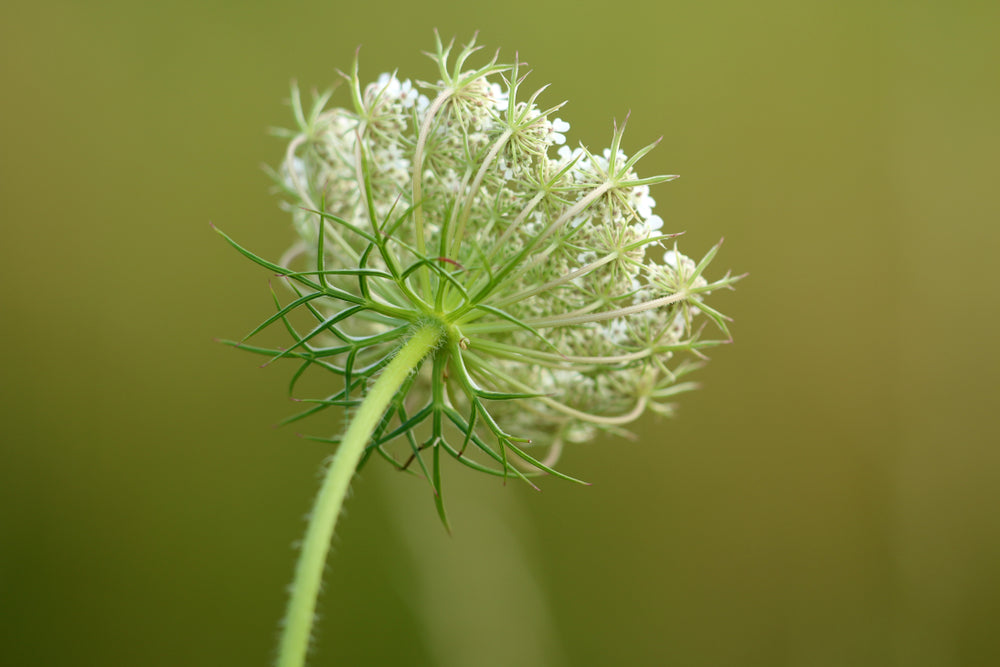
(563,307)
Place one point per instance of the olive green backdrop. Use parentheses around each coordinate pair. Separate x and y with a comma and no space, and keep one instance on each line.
(828,498)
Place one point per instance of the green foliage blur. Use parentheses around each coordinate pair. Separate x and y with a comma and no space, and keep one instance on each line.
(828,498)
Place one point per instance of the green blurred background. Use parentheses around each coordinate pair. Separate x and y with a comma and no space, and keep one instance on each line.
(829,498)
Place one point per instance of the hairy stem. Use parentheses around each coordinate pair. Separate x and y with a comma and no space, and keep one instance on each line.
(316,544)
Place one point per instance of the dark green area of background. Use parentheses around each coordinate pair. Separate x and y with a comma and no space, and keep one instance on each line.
(829,498)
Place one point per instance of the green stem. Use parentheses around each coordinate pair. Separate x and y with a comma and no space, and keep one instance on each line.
(316,545)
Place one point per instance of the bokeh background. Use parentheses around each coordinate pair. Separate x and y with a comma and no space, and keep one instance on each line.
(829,498)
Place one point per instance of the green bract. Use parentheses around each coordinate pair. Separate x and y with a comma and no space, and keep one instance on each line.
(455,205)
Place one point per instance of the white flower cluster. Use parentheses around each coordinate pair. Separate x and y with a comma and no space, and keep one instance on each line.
(545,262)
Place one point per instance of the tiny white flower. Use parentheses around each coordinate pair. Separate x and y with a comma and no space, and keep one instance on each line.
(499,96)
(557,131)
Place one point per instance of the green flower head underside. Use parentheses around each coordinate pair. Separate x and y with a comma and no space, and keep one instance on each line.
(562,308)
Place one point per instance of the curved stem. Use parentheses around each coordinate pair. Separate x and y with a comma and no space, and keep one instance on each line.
(417,184)
(326,509)
(474,190)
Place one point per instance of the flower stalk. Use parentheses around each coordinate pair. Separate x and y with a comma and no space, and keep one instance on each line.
(330,500)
